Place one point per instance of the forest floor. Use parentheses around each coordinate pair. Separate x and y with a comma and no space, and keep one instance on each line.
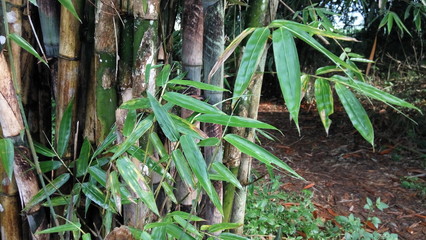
(342,169)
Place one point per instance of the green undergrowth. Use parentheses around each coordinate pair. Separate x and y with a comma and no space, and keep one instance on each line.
(272,212)
(414,183)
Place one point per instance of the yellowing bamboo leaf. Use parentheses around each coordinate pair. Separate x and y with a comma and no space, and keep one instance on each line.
(324,99)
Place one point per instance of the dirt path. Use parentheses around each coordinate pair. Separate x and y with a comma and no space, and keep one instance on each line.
(345,170)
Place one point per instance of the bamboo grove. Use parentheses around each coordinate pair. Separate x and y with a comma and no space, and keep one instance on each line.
(113,127)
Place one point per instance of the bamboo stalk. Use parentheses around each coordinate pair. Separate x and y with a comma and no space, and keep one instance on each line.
(213,48)
(48,11)
(14,19)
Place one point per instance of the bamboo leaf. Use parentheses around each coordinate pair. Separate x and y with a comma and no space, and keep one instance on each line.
(178,233)
(372,92)
(163,76)
(96,195)
(183,168)
(86,236)
(327,69)
(134,179)
(7,156)
(114,185)
(83,160)
(64,130)
(149,162)
(169,191)
(223,171)
(34,2)
(231,236)
(288,71)
(220,227)
(185,215)
(40,149)
(137,133)
(185,127)
(310,29)
(325,103)
(212,141)
(70,7)
(229,50)
(187,226)
(61,228)
(50,189)
(356,113)
(47,166)
(233,121)
(254,150)
(190,103)
(249,61)
(98,174)
(164,119)
(199,85)
(301,34)
(129,123)
(199,168)
(111,137)
(26,46)
(135,104)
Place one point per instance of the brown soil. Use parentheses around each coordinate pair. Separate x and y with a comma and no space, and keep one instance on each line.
(343,170)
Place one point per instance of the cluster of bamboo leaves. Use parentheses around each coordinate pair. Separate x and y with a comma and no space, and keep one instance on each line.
(107,177)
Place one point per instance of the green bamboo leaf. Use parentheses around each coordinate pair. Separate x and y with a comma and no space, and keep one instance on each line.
(183,168)
(304,36)
(164,119)
(50,189)
(325,102)
(249,61)
(47,166)
(372,92)
(231,236)
(233,121)
(64,130)
(149,162)
(178,233)
(96,195)
(185,215)
(254,150)
(26,46)
(58,201)
(70,7)
(220,227)
(98,174)
(135,104)
(226,174)
(134,179)
(199,85)
(187,226)
(185,127)
(199,168)
(169,191)
(7,156)
(61,228)
(288,71)
(209,142)
(163,76)
(310,29)
(129,123)
(86,236)
(327,69)
(356,113)
(190,103)
(83,160)
(111,137)
(40,149)
(114,186)
(34,2)
(158,144)
(140,129)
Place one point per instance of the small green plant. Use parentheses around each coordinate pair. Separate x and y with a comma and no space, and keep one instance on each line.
(270,211)
(414,183)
